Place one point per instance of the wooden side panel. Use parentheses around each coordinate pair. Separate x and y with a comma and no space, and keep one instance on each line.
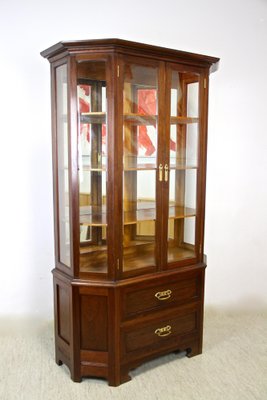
(94,323)
(63,304)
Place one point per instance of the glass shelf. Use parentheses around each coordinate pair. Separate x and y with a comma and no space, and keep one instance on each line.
(183,167)
(98,165)
(93,169)
(141,167)
(139,163)
(93,215)
(96,216)
(92,249)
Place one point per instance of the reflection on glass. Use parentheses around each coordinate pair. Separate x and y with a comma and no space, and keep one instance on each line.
(140,143)
(63,165)
(91,94)
(183,165)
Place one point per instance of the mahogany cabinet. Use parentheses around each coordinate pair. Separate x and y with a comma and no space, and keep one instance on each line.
(129,124)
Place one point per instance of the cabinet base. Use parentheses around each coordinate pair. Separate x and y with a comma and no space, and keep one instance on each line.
(105,332)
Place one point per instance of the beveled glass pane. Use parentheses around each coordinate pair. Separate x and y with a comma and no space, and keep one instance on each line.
(63,164)
(92,112)
(140,142)
(184,132)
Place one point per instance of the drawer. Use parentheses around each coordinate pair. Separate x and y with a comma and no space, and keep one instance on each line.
(168,331)
(165,294)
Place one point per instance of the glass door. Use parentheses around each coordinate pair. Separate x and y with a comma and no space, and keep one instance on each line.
(92,154)
(183,165)
(140,161)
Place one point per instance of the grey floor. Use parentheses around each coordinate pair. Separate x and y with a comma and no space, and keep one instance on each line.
(233,365)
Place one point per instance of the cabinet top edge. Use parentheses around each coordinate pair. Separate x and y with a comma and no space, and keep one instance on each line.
(84,45)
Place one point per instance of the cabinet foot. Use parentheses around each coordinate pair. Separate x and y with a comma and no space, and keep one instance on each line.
(76,378)
(193,351)
(124,377)
(58,360)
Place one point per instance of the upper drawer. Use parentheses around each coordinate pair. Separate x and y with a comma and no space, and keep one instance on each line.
(154,295)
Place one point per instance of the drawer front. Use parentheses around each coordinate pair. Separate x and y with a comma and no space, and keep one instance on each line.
(167,331)
(171,292)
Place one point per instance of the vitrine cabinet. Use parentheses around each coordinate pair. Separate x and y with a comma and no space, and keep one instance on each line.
(129,125)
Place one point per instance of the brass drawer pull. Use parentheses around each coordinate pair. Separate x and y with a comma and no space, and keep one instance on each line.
(163,295)
(165,331)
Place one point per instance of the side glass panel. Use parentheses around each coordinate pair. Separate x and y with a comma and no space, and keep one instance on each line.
(63,165)
(140,142)
(92,116)
(184,138)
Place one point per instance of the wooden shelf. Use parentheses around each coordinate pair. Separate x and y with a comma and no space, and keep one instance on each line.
(96,261)
(183,120)
(132,217)
(140,119)
(144,119)
(179,253)
(92,249)
(96,216)
(93,118)
(177,212)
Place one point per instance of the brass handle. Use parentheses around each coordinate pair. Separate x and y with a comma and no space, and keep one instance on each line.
(160,172)
(163,295)
(166,175)
(165,331)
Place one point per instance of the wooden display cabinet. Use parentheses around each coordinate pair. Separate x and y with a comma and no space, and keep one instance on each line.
(129,125)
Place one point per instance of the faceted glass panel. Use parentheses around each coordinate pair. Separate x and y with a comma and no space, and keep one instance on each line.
(63,164)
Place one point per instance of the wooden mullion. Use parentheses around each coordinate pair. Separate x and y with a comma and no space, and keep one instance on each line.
(163,158)
(113,184)
(118,162)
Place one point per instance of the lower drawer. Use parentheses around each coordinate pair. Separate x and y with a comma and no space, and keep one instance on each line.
(165,331)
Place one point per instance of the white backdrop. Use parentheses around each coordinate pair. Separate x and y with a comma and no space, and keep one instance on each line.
(236,216)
